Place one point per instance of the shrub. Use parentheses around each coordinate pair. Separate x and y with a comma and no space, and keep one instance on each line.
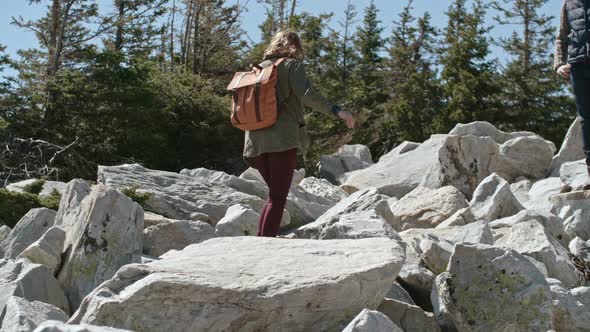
(35,187)
(138,198)
(14,205)
(52,201)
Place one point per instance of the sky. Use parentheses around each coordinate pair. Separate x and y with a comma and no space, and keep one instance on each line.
(15,38)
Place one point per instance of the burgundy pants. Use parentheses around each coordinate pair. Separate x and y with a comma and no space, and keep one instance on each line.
(277,170)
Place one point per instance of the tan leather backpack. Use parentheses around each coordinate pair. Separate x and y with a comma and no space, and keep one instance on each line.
(254,103)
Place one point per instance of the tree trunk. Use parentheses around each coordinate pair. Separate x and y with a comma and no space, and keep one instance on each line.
(172,36)
(281,13)
(196,27)
(120,5)
(527,37)
(186,38)
(60,37)
(53,30)
(293,4)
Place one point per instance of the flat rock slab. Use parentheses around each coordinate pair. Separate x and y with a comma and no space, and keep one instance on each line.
(57,326)
(24,316)
(248,284)
(574,209)
(33,282)
(28,230)
(175,195)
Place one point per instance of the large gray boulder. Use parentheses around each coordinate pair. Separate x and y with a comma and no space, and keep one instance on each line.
(552,223)
(461,217)
(532,239)
(177,234)
(440,161)
(57,326)
(528,156)
(402,148)
(368,199)
(409,317)
(415,276)
(47,250)
(348,158)
(28,230)
(571,308)
(397,292)
(175,195)
(24,316)
(33,282)
(574,209)
(540,193)
(493,199)
(106,233)
(239,220)
(427,208)
(67,219)
(572,148)
(251,187)
(46,190)
(434,252)
(574,174)
(477,232)
(371,321)
(483,129)
(491,289)
(462,159)
(323,188)
(250,284)
(520,189)
(355,225)
(303,205)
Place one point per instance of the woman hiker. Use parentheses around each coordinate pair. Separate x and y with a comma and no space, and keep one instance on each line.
(273,151)
(572,61)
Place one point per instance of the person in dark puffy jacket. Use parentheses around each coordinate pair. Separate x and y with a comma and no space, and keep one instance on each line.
(273,151)
(572,60)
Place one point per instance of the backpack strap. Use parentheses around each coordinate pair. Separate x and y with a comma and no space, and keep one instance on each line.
(284,102)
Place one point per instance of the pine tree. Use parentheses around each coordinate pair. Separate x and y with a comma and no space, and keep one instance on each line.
(347,59)
(532,95)
(413,86)
(369,44)
(210,41)
(63,36)
(367,93)
(136,30)
(467,72)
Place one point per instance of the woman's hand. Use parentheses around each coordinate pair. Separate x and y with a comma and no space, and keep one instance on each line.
(348,118)
(564,71)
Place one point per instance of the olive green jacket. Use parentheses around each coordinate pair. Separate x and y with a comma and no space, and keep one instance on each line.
(293,92)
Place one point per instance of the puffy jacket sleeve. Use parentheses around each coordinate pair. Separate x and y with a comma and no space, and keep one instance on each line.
(561,43)
(301,87)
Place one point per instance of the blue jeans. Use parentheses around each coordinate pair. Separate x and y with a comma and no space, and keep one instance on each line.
(580,75)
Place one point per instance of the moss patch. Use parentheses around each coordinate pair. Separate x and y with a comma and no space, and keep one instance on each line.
(35,187)
(138,198)
(52,201)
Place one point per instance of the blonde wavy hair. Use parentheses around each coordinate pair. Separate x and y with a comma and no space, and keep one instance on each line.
(285,44)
